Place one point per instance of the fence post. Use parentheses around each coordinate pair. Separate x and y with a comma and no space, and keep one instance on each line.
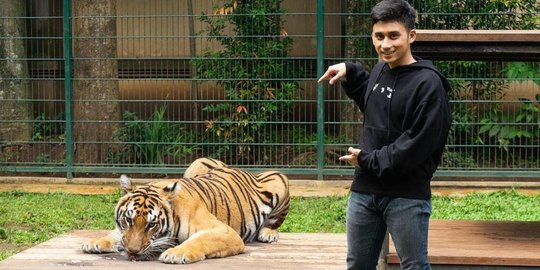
(68,101)
(320,89)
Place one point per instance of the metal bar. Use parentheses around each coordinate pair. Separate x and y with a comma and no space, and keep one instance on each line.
(292,171)
(68,88)
(320,89)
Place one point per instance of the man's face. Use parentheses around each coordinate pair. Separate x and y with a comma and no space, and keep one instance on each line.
(392,41)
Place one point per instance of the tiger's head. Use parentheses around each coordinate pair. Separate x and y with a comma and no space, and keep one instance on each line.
(144,217)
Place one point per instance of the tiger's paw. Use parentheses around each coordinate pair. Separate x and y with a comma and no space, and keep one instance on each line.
(99,245)
(268,235)
(181,255)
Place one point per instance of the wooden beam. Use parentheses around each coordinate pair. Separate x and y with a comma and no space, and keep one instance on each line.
(478,36)
(489,45)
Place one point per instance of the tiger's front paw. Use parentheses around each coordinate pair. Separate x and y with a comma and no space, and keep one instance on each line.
(99,245)
(181,255)
(268,235)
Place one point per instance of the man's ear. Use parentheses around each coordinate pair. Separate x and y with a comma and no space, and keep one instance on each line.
(172,190)
(125,185)
(412,35)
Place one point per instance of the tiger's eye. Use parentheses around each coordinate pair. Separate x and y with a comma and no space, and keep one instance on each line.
(151,225)
(129,221)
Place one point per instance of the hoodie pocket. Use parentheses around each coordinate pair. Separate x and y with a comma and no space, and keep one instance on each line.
(374,138)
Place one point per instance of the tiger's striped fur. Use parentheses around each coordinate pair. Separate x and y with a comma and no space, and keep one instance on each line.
(210,212)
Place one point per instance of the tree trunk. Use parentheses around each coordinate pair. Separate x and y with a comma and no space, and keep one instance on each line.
(192,55)
(96,110)
(15,106)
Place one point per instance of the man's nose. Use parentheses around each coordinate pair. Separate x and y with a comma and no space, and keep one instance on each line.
(386,43)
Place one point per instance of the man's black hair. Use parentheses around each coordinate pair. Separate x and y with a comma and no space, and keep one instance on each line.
(394,11)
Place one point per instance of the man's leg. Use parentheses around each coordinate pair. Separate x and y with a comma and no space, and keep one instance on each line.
(365,232)
(408,224)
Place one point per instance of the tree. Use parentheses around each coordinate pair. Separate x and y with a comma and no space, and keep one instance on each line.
(15,94)
(251,66)
(96,111)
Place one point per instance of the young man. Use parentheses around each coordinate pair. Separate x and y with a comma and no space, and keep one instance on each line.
(406,122)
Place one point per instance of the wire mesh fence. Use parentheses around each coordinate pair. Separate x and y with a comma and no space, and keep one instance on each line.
(149,86)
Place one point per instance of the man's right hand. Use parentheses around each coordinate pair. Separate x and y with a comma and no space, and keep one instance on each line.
(334,73)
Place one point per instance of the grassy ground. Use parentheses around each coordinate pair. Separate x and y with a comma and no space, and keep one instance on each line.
(30,218)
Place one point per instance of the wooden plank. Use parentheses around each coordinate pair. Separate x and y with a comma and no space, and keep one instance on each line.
(469,244)
(292,251)
(430,35)
(484,45)
(482,243)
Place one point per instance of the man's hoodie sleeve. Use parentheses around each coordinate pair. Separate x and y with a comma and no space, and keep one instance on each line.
(355,83)
(425,137)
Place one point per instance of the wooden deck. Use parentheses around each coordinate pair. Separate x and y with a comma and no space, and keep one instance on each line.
(292,251)
(481,245)
(452,245)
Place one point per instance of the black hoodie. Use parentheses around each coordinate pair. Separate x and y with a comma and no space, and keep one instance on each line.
(407,117)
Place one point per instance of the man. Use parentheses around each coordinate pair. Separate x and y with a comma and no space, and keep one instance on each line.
(406,122)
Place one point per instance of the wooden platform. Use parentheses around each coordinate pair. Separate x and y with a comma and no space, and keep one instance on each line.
(481,245)
(452,245)
(292,251)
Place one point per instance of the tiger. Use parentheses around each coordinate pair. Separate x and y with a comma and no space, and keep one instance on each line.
(211,212)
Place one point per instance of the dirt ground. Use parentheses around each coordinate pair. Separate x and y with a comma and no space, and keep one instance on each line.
(296,190)
(302,188)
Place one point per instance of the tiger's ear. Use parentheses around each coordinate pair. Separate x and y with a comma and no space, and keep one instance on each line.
(125,185)
(172,190)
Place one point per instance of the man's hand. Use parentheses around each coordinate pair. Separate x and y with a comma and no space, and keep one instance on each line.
(353,157)
(334,73)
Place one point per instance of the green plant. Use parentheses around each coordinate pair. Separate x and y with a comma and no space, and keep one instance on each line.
(45,127)
(478,14)
(506,127)
(523,71)
(458,159)
(43,158)
(251,67)
(150,141)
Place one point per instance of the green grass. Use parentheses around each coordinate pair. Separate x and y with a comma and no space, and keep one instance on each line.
(30,218)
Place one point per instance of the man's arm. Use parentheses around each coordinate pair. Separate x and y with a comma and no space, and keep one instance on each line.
(355,83)
(334,73)
(354,79)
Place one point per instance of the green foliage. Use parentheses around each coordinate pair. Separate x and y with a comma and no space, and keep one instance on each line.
(458,159)
(478,14)
(250,67)
(150,141)
(506,128)
(523,71)
(311,214)
(43,158)
(507,205)
(27,219)
(45,127)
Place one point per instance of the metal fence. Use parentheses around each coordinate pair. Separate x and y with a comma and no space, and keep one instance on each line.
(146,87)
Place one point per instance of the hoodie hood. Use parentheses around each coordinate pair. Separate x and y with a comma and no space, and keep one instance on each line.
(421,63)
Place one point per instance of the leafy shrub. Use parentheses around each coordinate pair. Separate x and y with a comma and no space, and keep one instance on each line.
(150,141)
(45,127)
(250,66)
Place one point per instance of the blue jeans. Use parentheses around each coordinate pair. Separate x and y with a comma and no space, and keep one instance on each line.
(368,218)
